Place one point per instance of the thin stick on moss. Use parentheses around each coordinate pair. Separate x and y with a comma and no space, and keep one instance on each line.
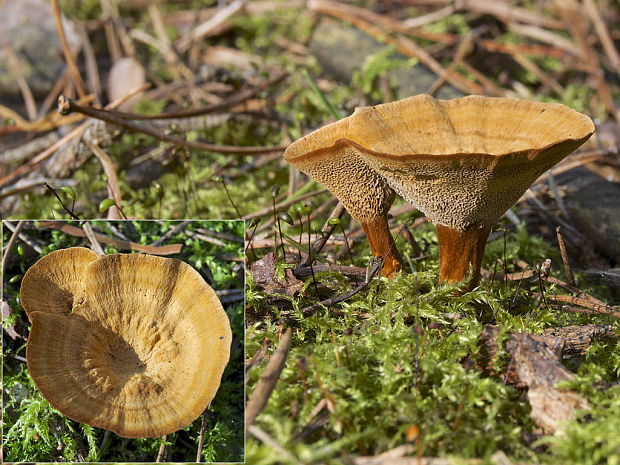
(67,106)
(567,268)
(188,113)
(268,380)
(376,266)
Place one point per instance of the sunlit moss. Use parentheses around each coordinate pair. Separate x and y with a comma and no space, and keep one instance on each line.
(381,378)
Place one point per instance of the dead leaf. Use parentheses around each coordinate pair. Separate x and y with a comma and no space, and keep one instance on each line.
(264,272)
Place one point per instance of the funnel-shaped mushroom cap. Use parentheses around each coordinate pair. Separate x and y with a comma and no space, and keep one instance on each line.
(142,354)
(328,156)
(464,162)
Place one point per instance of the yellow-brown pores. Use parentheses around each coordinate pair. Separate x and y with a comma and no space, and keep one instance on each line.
(464,162)
(329,157)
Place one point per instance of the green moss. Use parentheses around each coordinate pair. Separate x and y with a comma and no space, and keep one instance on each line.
(381,378)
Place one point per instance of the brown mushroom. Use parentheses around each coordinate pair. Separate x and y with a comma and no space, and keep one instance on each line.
(140,352)
(331,156)
(57,282)
(464,162)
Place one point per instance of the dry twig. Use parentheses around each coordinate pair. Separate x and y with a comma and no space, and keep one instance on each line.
(268,380)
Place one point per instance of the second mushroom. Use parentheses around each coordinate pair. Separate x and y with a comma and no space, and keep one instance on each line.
(132,343)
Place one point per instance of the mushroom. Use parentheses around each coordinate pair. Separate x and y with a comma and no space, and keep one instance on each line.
(57,282)
(331,155)
(132,343)
(464,162)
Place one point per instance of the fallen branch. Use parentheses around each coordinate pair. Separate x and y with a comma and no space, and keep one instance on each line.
(67,106)
(36,161)
(536,364)
(75,231)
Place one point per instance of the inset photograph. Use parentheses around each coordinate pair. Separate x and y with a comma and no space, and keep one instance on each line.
(123,341)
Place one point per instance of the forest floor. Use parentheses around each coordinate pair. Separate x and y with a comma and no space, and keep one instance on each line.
(342,365)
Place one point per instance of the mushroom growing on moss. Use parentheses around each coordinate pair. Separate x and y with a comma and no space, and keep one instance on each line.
(464,162)
(331,156)
(133,343)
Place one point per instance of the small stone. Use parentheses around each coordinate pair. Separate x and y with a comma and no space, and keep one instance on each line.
(125,76)
(30,29)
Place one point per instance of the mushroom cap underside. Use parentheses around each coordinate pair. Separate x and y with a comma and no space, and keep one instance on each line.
(363,192)
(462,162)
(142,355)
(467,189)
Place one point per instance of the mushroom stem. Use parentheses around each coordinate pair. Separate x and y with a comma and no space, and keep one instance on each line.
(382,244)
(460,249)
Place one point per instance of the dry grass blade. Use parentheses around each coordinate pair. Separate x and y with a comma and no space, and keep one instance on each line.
(166,50)
(546,37)
(9,246)
(539,73)
(265,438)
(461,51)
(170,249)
(362,18)
(92,70)
(114,190)
(603,33)
(506,13)
(203,29)
(90,235)
(75,73)
(40,158)
(570,10)
(16,69)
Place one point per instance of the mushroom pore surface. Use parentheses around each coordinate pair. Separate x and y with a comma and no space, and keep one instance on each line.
(334,162)
(464,162)
(141,355)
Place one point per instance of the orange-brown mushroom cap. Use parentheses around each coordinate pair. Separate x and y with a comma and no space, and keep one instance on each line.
(56,283)
(328,156)
(143,353)
(464,162)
